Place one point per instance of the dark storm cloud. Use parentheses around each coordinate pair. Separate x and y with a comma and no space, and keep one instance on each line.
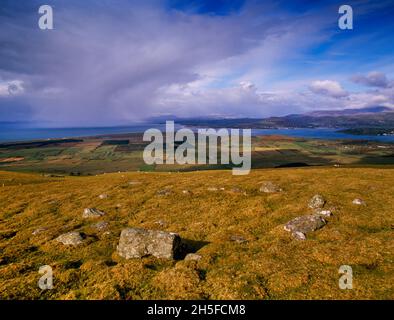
(112,62)
(104,62)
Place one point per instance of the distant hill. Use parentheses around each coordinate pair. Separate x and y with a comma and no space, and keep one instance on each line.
(345,112)
(376,117)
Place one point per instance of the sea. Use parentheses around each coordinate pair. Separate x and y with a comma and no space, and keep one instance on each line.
(9,133)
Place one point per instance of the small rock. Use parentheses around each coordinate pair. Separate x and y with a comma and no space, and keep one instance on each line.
(39,230)
(71,238)
(305,224)
(358,201)
(238,239)
(325,213)
(298,235)
(186,192)
(212,189)
(103,196)
(139,243)
(237,190)
(92,213)
(163,192)
(100,226)
(193,257)
(270,187)
(317,202)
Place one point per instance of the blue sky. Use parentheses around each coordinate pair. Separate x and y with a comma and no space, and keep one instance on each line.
(121,61)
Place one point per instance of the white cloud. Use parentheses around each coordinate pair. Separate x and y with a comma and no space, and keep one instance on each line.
(372,79)
(328,88)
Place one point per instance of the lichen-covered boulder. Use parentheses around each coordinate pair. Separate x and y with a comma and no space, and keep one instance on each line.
(317,202)
(101,226)
(270,187)
(139,243)
(303,225)
(92,213)
(70,239)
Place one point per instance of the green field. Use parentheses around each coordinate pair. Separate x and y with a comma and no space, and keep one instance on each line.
(98,155)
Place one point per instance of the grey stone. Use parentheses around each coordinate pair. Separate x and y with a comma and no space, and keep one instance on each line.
(238,239)
(299,235)
(70,239)
(212,189)
(237,190)
(92,213)
(193,257)
(358,202)
(138,243)
(324,213)
(305,224)
(317,202)
(270,187)
(101,226)
(164,192)
(38,231)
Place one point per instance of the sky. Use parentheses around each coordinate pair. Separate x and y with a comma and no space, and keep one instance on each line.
(117,62)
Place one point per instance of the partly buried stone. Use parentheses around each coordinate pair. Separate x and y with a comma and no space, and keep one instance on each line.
(164,192)
(304,225)
(237,190)
(238,239)
(358,202)
(138,243)
(103,196)
(92,213)
(212,189)
(270,187)
(299,235)
(70,239)
(317,202)
(39,230)
(325,213)
(100,226)
(193,257)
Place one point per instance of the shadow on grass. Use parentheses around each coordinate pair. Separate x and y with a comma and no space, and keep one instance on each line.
(189,246)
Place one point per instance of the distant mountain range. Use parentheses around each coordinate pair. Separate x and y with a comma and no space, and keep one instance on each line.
(346,112)
(371,117)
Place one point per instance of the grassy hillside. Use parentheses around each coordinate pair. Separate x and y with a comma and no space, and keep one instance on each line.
(269,264)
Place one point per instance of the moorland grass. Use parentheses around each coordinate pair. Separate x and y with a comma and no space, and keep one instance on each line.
(269,265)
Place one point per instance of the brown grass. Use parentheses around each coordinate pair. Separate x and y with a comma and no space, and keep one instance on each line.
(270,265)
